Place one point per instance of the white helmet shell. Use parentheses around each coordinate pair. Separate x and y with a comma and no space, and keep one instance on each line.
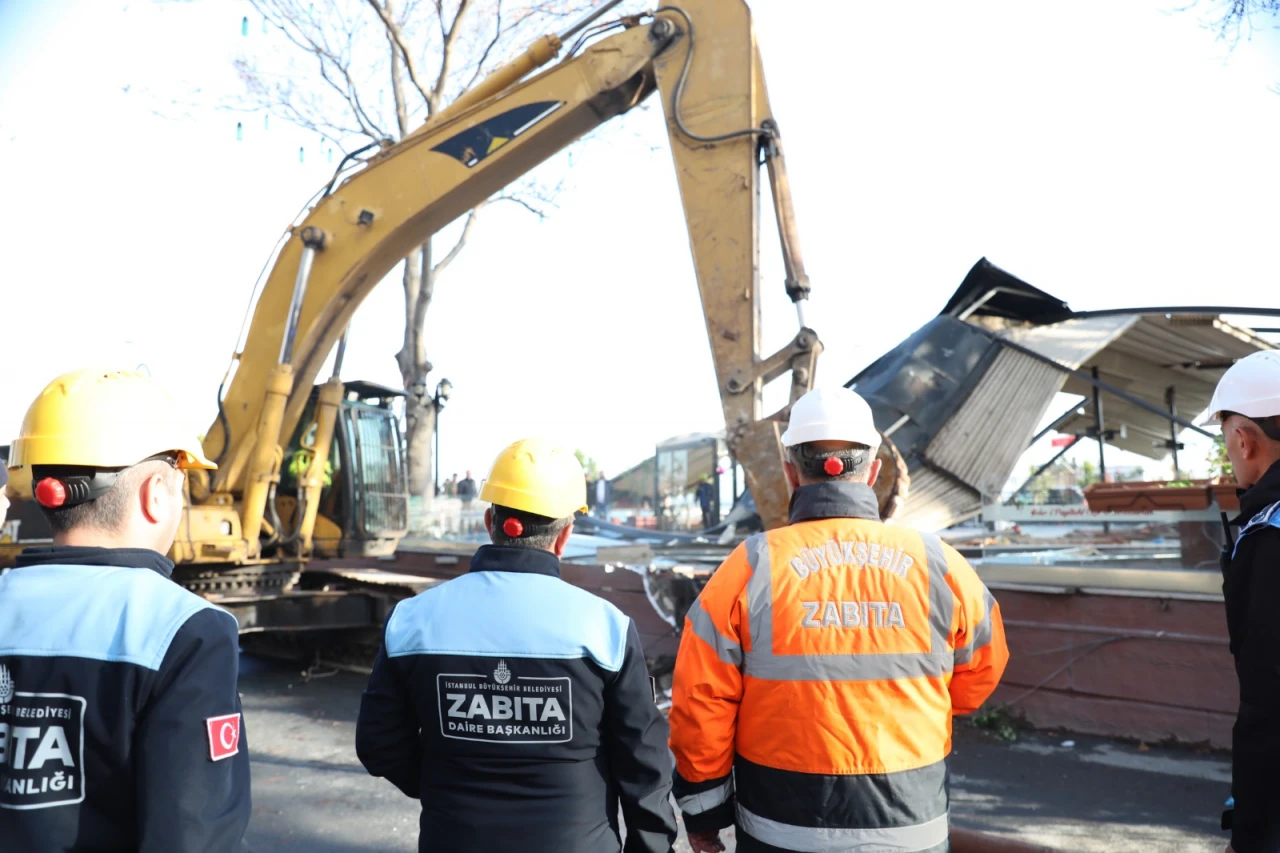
(1251,387)
(831,414)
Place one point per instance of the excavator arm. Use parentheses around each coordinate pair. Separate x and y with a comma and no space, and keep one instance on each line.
(702,57)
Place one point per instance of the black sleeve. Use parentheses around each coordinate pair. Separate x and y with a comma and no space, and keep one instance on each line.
(1255,754)
(388,742)
(706,805)
(187,801)
(638,754)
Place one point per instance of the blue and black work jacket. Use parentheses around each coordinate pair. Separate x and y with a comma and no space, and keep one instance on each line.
(1251,589)
(120,724)
(518,709)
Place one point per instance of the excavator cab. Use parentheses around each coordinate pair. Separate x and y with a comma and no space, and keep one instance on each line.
(364,504)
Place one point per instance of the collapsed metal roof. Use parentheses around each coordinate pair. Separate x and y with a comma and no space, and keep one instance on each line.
(1156,358)
(962,397)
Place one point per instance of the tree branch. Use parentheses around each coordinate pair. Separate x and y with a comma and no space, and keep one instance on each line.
(462,241)
(315,43)
(525,203)
(484,56)
(396,35)
(447,52)
(280,99)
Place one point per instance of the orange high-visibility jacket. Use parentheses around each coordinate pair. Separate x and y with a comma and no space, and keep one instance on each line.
(817,676)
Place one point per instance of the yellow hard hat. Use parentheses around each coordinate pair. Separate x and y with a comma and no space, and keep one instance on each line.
(103,419)
(537,475)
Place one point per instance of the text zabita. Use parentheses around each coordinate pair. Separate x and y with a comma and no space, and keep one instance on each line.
(852,614)
(534,709)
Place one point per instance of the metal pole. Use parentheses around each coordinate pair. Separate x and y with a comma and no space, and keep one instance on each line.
(1173,428)
(1099,426)
(1045,467)
(436,427)
(1057,422)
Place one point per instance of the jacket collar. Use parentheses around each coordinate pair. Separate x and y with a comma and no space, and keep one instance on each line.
(837,499)
(1263,494)
(77,555)
(512,558)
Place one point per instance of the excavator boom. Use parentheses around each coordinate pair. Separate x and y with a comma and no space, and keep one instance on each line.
(703,58)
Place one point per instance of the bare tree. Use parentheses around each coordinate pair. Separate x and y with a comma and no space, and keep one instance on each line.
(1234,19)
(341,59)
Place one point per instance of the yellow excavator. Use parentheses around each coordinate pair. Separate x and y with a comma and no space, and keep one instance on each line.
(307,471)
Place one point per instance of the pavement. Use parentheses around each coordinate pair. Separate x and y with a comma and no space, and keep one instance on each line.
(311,794)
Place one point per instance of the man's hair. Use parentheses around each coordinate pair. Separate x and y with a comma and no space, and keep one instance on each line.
(110,511)
(540,531)
(810,461)
(1269,425)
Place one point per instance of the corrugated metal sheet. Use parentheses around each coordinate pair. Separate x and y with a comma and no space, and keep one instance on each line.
(975,451)
(1072,342)
(983,440)
(935,501)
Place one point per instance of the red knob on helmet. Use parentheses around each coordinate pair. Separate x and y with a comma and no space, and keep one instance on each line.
(51,493)
(513,528)
(834,466)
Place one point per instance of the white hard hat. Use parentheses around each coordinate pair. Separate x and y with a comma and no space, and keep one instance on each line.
(1251,387)
(831,414)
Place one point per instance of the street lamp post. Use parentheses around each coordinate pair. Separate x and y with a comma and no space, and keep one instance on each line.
(443,390)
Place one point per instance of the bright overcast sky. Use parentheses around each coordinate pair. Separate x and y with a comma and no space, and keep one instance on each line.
(1111,153)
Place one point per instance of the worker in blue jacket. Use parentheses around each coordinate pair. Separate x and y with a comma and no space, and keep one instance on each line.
(1246,403)
(120,725)
(515,706)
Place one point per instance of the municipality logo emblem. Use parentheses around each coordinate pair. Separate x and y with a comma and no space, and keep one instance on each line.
(502,675)
(6,685)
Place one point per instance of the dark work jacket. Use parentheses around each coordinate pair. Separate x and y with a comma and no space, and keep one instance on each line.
(518,709)
(467,489)
(1251,588)
(108,673)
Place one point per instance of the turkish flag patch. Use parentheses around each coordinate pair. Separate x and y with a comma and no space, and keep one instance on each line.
(224,736)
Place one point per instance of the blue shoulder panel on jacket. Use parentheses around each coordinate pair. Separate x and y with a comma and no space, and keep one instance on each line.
(1268,517)
(509,614)
(97,612)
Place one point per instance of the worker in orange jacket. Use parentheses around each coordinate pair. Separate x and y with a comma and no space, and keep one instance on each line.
(820,667)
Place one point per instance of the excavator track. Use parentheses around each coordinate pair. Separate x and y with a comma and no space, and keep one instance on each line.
(237,580)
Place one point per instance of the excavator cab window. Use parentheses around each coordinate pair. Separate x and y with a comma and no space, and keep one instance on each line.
(364,503)
(370,431)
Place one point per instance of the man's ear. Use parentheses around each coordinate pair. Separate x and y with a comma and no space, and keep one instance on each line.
(562,540)
(1245,439)
(793,475)
(488,521)
(873,471)
(155,498)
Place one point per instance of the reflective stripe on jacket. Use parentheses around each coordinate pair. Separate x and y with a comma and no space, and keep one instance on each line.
(817,675)
(518,709)
(114,683)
